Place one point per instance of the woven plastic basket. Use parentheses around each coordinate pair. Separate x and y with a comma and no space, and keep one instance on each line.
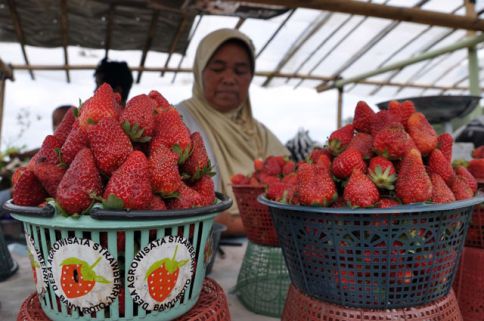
(256,217)
(211,306)
(373,258)
(263,280)
(475,235)
(123,249)
(469,284)
(302,307)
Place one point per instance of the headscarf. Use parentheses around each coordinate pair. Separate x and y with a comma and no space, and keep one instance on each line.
(236,138)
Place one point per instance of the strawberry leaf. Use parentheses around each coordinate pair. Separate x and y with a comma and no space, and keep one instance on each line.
(73,260)
(101,279)
(113,202)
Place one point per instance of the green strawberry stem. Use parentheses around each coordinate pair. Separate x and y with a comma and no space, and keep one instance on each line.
(95,263)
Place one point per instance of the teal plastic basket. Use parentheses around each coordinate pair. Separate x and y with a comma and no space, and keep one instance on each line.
(129,245)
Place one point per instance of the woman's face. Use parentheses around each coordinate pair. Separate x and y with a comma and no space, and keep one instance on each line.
(227,77)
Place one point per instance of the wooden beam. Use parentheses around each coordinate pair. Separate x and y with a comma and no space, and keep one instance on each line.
(6,71)
(190,37)
(174,42)
(239,24)
(109,29)
(339,117)
(148,42)
(275,33)
(65,35)
(382,11)
(19,32)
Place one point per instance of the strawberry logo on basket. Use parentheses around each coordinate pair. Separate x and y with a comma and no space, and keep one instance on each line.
(162,276)
(78,277)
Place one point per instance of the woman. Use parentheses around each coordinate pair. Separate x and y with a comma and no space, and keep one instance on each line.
(220,110)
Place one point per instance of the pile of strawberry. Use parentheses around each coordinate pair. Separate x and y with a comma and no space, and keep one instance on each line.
(476,165)
(382,159)
(138,157)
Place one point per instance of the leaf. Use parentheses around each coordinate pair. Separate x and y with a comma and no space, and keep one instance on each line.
(113,202)
(101,279)
(73,260)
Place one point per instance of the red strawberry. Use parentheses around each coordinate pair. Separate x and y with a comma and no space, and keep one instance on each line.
(403,110)
(163,168)
(413,184)
(441,193)
(130,183)
(76,141)
(321,155)
(476,168)
(272,166)
(258,164)
(360,190)
(315,187)
(198,164)
(344,163)
(49,176)
(382,119)
(280,192)
(387,203)
(291,179)
(206,188)
(138,118)
(157,203)
(288,168)
(471,181)
(339,139)
(239,179)
(363,143)
(439,164)
(80,181)
(99,106)
(78,277)
(162,275)
(382,173)
(444,143)
(187,198)
(422,133)
(161,102)
(172,132)
(266,179)
(109,144)
(47,152)
(364,117)
(65,126)
(478,152)
(27,190)
(461,188)
(392,142)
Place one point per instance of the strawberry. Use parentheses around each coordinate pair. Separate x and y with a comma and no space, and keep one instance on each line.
(47,152)
(422,133)
(258,164)
(288,168)
(99,106)
(163,169)
(65,126)
(187,198)
(315,187)
(76,141)
(239,179)
(172,132)
(382,173)
(387,203)
(441,193)
(267,179)
(49,176)
(80,181)
(339,139)
(273,166)
(344,163)
(439,164)
(78,277)
(392,141)
(130,183)
(206,188)
(360,190)
(413,184)
(461,188)
(363,143)
(280,192)
(138,118)
(27,190)
(471,181)
(157,203)
(198,164)
(161,102)
(478,152)
(321,155)
(444,143)
(403,110)
(476,168)
(291,179)
(364,117)
(382,119)
(162,275)
(109,144)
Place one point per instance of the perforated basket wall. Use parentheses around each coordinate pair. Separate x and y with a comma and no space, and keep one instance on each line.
(475,235)
(373,258)
(263,280)
(469,284)
(256,217)
(189,226)
(302,307)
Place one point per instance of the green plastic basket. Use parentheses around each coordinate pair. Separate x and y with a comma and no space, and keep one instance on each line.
(129,242)
(263,280)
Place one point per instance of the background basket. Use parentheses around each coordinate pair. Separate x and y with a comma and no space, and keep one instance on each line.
(475,235)
(469,284)
(263,280)
(139,228)
(373,258)
(256,217)
(301,307)
(212,244)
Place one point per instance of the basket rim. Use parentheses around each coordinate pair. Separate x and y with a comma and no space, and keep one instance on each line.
(224,203)
(411,208)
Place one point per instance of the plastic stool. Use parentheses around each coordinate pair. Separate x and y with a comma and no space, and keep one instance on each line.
(301,307)
(263,280)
